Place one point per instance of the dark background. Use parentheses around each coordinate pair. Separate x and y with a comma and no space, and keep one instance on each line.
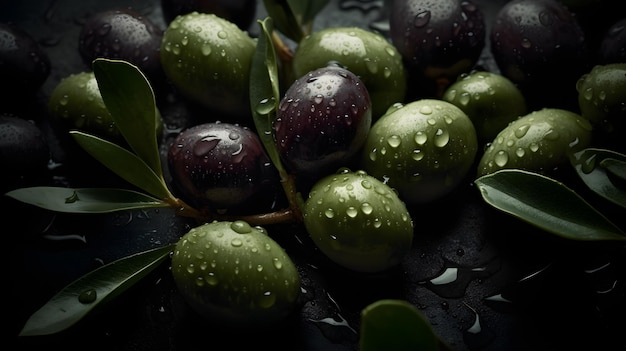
(526,289)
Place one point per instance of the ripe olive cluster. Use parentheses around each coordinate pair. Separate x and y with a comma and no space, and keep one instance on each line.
(369,127)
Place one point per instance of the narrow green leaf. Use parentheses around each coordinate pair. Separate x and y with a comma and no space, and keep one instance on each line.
(600,169)
(94,289)
(264,91)
(84,200)
(124,163)
(395,325)
(547,204)
(129,98)
(286,20)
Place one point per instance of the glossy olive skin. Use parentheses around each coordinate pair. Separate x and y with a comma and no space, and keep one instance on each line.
(235,275)
(489,99)
(367,54)
(602,100)
(539,141)
(76,104)
(423,149)
(358,222)
(208,59)
(220,165)
(539,45)
(322,121)
(126,35)
(24,151)
(438,40)
(240,12)
(24,66)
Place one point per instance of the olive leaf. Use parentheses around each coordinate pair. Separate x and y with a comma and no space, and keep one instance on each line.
(600,169)
(124,163)
(129,98)
(294,18)
(547,204)
(92,290)
(391,324)
(84,200)
(264,91)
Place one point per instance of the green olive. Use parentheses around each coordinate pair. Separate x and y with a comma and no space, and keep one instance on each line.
(235,274)
(208,59)
(358,221)
(539,141)
(365,53)
(602,100)
(422,149)
(77,104)
(489,99)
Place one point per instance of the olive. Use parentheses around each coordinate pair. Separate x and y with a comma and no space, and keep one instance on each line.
(423,149)
(365,53)
(240,12)
(602,100)
(76,104)
(489,99)
(221,166)
(126,35)
(540,141)
(24,151)
(358,221)
(438,40)
(208,59)
(322,121)
(235,275)
(539,45)
(613,44)
(24,67)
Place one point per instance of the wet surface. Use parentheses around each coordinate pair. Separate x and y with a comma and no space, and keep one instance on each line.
(484,280)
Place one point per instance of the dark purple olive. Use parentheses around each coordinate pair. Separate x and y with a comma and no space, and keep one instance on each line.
(24,66)
(24,151)
(322,121)
(438,39)
(220,165)
(539,45)
(613,45)
(123,34)
(240,12)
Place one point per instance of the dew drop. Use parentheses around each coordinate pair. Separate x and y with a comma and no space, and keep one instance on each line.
(442,137)
(394,141)
(366,208)
(87,296)
(521,131)
(241,227)
(422,19)
(420,138)
(351,212)
(329,213)
(501,158)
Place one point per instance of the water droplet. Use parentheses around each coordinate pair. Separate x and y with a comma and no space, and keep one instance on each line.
(329,213)
(422,19)
(88,296)
(241,227)
(351,212)
(278,264)
(366,208)
(394,141)
(420,138)
(521,131)
(501,158)
(442,137)
(267,300)
(72,198)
